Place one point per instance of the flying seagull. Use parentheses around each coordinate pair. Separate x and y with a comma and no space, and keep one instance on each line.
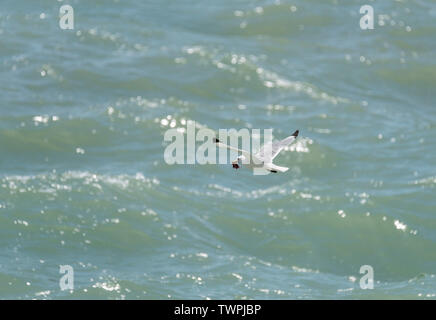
(264,157)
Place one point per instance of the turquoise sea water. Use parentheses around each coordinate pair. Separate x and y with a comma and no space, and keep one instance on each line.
(83,180)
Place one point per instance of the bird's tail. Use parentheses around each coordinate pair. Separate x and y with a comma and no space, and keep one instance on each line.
(273,167)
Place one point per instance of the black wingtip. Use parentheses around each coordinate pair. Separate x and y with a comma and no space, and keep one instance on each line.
(215,140)
(295,134)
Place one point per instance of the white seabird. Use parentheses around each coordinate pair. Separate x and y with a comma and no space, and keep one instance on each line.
(264,157)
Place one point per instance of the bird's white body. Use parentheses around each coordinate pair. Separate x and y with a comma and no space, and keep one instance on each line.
(264,157)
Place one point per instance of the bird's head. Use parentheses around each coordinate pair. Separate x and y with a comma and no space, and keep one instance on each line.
(238,162)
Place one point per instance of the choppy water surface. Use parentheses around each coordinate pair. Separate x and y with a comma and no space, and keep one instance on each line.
(82,176)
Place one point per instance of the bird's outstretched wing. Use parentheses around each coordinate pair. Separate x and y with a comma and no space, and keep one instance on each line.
(270,150)
(226,146)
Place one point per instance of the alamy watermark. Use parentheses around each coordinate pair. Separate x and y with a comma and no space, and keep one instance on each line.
(367,280)
(66,282)
(191,146)
(66,17)
(367,20)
